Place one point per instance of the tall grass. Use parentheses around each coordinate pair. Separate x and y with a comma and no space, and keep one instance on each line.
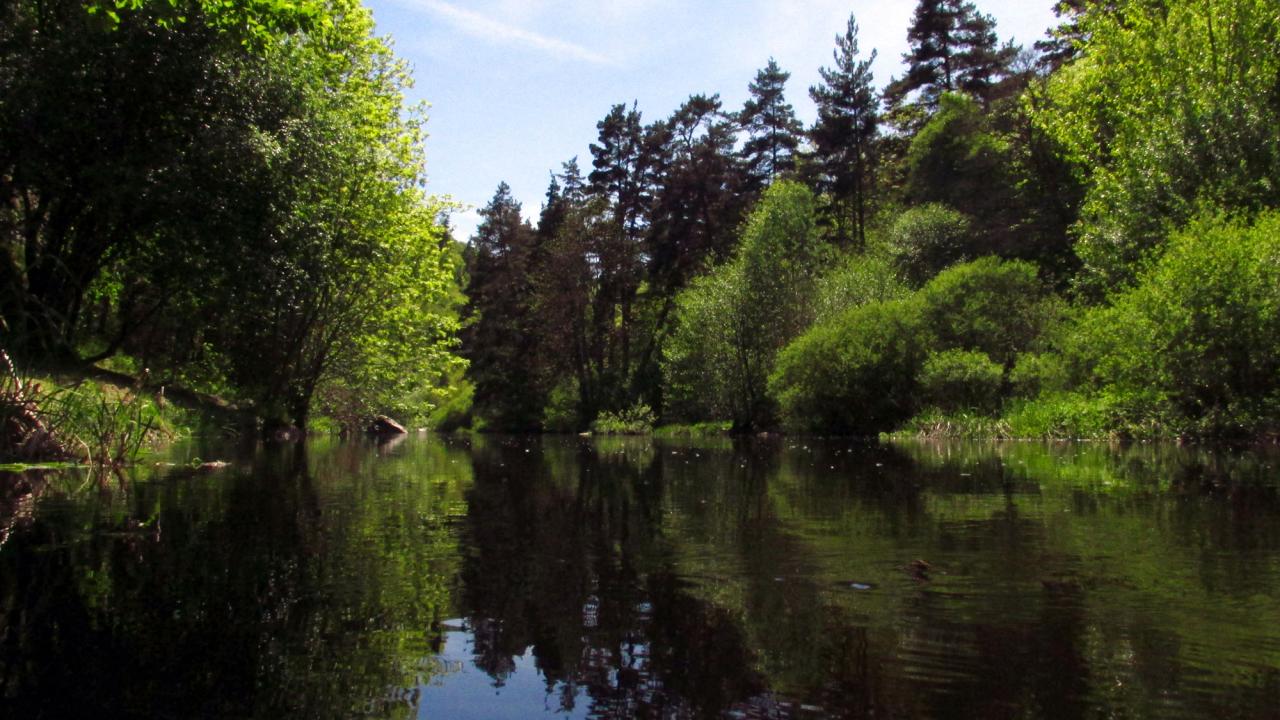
(96,425)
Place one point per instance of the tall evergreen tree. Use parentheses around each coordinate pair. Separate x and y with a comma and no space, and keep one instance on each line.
(844,134)
(499,334)
(617,162)
(952,47)
(700,198)
(621,180)
(773,132)
(698,194)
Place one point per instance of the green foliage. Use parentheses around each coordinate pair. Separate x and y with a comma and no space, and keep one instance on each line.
(1038,372)
(857,374)
(99,425)
(694,430)
(771,126)
(956,160)
(1065,416)
(453,411)
(859,279)
(955,380)
(935,423)
(635,420)
(1170,109)
(1195,345)
(562,412)
(926,239)
(844,137)
(248,214)
(731,323)
(700,366)
(989,305)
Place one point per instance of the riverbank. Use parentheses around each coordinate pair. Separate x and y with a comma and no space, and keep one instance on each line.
(94,416)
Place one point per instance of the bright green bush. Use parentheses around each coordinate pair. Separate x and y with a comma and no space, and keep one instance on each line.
(1035,373)
(560,415)
(956,380)
(1171,108)
(635,420)
(1064,416)
(859,279)
(926,239)
(856,374)
(992,305)
(1196,344)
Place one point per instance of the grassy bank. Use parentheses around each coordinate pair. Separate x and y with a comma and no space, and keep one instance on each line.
(96,417)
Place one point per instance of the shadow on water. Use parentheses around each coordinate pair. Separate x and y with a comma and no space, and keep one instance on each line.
(622,577)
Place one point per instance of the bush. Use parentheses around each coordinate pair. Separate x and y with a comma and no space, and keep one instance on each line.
(560,415)
(955,380)
(926,239)
(1196,343)
(856,374)
(454,411)
(1064,416)
(1036,373)
(635,420)
(859,279)
(990,305)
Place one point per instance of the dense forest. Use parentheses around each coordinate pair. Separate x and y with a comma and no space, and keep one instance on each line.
(1077,239)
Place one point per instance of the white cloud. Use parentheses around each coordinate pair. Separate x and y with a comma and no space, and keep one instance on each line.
(486,28)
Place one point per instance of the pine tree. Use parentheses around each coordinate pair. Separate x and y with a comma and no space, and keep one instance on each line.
(617,162)
(773,132)
(844,134)
(953,47)
(499,337)
(1063,42)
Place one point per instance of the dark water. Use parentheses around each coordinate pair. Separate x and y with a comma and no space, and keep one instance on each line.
(516,578)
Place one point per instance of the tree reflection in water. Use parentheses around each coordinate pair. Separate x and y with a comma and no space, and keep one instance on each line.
(630,578)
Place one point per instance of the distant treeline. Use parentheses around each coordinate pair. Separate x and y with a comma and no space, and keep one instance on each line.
(226,194)
(1074,239)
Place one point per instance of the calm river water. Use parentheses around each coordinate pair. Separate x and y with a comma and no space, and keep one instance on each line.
(578,578)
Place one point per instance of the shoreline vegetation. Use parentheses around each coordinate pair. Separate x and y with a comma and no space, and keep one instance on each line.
(1078,239)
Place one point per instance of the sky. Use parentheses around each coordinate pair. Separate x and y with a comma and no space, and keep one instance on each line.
(516,87)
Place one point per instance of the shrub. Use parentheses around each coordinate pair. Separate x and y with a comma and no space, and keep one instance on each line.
(991,305)
(926,239)
(1036,373)
(560,415)
(635,420)
(858,280)
(856,374)
(730,324)
(1064,416)
(1197,341)
(454,411)
(955,380)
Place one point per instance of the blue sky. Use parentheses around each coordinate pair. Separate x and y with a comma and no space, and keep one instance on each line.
(516,86)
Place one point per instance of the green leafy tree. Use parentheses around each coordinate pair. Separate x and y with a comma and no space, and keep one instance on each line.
(927,239)
(1168,110)
(731,324)
(1194,346)
(958,160)
(856,374)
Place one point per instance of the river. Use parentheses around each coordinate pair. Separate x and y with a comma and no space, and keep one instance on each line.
(521,577)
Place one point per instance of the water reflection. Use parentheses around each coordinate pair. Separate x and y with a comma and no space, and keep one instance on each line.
(512,577)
